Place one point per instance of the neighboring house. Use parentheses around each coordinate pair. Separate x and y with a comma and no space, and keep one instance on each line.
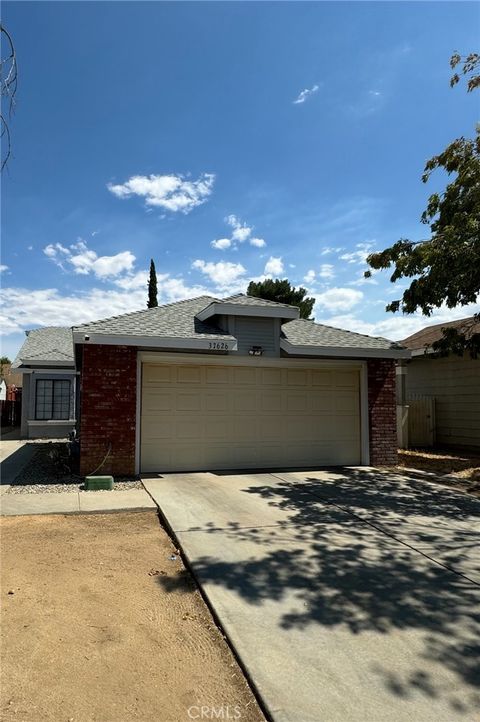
(47,364)
(233,383)
(10,395)
(452,384)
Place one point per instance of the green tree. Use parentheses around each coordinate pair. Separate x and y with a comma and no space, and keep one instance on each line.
(282,291)
(4,360)
(445,267)
(152,287)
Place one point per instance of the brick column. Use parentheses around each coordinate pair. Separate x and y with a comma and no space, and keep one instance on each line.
(382,412)
(108,397)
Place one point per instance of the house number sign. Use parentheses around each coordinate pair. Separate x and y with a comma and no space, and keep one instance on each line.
(218,346)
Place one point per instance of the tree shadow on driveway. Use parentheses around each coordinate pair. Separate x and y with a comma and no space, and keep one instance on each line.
(367,552)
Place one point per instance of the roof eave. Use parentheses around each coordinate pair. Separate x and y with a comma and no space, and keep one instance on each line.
(343,352)
(39,363)
(160,342)
(217,308)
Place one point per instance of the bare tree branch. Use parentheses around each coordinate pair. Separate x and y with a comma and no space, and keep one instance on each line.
(8,88)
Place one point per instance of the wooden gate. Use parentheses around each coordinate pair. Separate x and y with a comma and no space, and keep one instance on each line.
(421,420)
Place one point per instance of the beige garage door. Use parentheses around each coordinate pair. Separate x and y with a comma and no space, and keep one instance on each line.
(234,417)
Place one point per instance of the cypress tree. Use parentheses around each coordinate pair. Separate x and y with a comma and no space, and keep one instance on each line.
(152,287)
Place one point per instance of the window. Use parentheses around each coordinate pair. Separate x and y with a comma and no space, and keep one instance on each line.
(52,399)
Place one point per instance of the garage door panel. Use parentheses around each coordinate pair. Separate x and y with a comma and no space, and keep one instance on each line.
(188,401)
(270,401)
(219,417)
(156,401)
(215,401)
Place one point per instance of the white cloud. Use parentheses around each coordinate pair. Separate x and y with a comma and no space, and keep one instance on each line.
(398,327)
(24,308)
(359,256)
(331,249)
(84,261)
(223,274)
(172,192)
(274,266)
(241,233)
(221,244)
(326,271)
(309,277)
(304,94)
(3,268)
(338,299)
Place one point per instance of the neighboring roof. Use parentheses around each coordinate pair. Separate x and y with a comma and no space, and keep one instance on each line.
(305,334)
(428,335)
(174,320)
(52,345)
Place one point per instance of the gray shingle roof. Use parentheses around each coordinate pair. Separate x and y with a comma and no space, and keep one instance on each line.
(301,332)
(174,320)
(178,320)
(52,344)
(243,300)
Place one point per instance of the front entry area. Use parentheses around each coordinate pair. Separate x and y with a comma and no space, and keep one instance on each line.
(207,416)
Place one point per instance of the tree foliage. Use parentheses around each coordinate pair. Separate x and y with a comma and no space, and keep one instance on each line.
(282,291)
(445,268)
(470,64)
(152,287)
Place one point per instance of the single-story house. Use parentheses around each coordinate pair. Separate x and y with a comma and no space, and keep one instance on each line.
(452,383)
(239,382)
(46,362)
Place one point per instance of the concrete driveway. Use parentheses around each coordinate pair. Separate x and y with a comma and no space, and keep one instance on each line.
(349,594)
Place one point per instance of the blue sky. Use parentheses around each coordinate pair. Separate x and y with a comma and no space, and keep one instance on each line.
(228,141)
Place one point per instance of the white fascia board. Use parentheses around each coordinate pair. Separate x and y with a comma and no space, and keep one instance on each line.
(220,343)
(51,372)
(238,309)
(343,352)
(422,352)
(35,363)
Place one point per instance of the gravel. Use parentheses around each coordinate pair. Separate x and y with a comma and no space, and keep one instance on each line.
(50,471)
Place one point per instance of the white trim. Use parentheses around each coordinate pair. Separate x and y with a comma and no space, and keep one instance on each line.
(195,344)
(64,372)
(50,422)
(343,352)
(211,359)
(32,363)
(422,352)
(138,415)
(177,359)
(364,426)
(217,308)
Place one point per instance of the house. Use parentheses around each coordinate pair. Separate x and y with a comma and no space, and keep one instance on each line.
(46,362)
(239,382)
(10,396)
(451,384)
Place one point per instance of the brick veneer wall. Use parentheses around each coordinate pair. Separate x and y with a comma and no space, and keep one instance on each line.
(382,412)
(108,395)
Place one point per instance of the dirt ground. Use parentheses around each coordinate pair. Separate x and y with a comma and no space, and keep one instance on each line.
(462,467)
(89,633)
